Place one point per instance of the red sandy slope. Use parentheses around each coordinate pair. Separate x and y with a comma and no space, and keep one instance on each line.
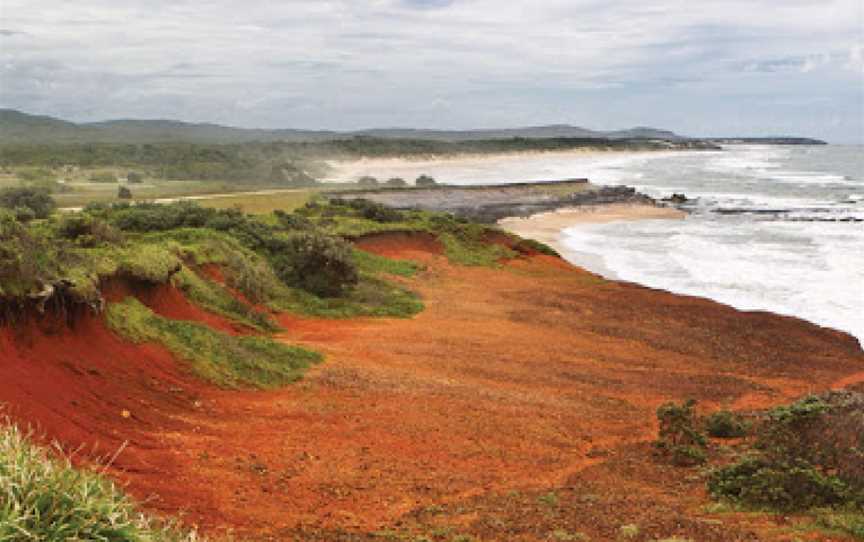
(533,376)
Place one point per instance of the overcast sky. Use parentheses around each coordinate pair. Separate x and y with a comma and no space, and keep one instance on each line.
(720,67)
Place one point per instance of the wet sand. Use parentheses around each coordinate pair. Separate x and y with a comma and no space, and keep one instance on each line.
(548,227)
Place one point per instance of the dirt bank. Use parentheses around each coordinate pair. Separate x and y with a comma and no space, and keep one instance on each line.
(512,383)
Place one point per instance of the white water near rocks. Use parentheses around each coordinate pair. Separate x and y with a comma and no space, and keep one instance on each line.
(772,230)
(780,247)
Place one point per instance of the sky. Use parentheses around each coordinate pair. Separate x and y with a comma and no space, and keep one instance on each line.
(720,67)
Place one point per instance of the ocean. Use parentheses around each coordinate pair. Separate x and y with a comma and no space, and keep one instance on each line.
(771,227)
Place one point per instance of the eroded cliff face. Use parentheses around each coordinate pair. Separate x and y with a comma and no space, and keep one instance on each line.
(516,381)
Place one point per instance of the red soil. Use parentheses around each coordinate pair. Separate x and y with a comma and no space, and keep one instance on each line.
(534,376)
(402,245)
(166,300)
(84,386)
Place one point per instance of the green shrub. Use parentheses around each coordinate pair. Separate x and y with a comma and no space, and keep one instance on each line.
(678,438)
(825,430)
(124,193)
(293,221)
(133,177)
(369,210)
(725,424)
(42,497)
(38,200)
(26,259)
(150,263)
(425,180)
(787,486)
(87,231)
(145,217)
(316,262)
(810,454)
(24,214)
(252,276)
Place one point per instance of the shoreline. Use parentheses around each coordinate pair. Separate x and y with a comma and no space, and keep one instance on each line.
(548,227)
(410,166)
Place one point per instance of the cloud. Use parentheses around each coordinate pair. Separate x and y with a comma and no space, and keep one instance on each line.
(441,63)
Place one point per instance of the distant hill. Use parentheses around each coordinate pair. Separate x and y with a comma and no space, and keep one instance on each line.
(18,127)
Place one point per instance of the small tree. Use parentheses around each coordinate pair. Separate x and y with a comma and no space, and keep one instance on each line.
(678,437)
(134,177)
(396,181)
(425,180)
(38,200)
(124,193)
(367,180)
(315,262)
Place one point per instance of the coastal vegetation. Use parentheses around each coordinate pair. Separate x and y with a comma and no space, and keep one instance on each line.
(209,288)
(806,455)
(43,497)
(805,458)
(294,164)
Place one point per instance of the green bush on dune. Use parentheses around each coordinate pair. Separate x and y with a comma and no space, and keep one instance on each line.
(42,497)
(807,454)
(679,439)
(37,201)
(725,424)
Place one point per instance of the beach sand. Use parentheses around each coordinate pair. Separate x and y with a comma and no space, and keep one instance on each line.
(548,227)
(484,168)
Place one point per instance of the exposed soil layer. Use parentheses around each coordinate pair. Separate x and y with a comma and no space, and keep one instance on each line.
(400,245)
(169,302)
(513,382)
(73,380)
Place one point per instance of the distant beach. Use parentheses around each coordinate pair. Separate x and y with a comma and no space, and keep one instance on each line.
(549,227)
(496,168)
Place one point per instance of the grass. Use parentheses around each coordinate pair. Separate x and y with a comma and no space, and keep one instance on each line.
(214,298)
(629,531)
(225,360)
(845,523)
(151,263)
(261,204)
(464,242)
(371,297)
(43,498)
(376,265)
(80,194)
(254,278)
(473,253)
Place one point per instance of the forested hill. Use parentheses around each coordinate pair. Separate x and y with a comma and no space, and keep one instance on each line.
(19,127)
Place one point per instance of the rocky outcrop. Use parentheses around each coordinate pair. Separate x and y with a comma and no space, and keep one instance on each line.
(490,203)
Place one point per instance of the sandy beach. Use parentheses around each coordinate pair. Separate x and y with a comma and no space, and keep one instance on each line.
(490,168)
(547,227)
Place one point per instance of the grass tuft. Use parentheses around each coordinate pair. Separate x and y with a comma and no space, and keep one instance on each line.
(42,497)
